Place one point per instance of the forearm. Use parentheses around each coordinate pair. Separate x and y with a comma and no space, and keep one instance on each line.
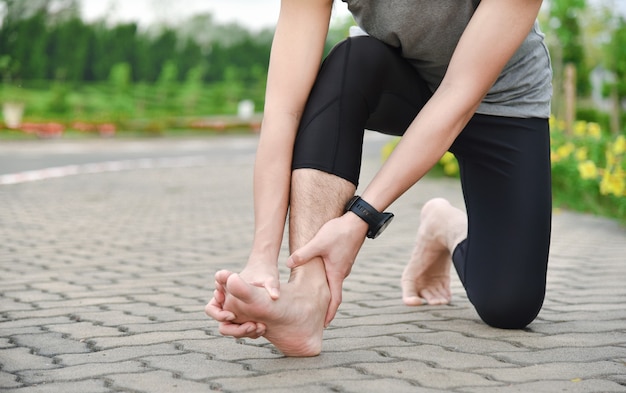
(294,62)
(493,35)
(272,178)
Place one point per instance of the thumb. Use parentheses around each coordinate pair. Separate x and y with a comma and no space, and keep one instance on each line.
(272,287)
(303,255)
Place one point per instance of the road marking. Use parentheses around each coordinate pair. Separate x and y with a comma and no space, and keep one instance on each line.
(102,167)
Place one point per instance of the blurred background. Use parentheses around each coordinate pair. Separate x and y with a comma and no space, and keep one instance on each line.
(85,68)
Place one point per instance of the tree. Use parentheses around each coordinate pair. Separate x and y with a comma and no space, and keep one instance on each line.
(564,19)
(616,64)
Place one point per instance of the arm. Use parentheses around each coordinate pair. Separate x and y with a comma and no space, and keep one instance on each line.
(496,30)
(294,62)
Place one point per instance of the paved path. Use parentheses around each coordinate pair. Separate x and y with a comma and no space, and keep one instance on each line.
(103,279)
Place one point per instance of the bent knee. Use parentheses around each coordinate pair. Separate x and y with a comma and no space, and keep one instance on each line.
(515,311)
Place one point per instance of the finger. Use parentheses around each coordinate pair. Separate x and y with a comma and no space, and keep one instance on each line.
(222,276)
(219,297)
(219,286)
(273,288)
(303,255)
(214,310)
(335,300)
(246,329)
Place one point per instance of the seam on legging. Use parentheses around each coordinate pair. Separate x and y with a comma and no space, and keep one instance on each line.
(467,242)
(319,111)
(341,98)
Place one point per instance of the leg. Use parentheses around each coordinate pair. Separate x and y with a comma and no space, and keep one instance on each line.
(426,278)
(505,172)
(327,159)
(295,322)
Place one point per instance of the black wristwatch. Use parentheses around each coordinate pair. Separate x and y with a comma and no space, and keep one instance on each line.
(376,220)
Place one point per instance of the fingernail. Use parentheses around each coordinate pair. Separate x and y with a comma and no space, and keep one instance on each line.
(250,329)
(274,293)
(231,317)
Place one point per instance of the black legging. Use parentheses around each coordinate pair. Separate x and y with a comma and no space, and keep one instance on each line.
(504,163)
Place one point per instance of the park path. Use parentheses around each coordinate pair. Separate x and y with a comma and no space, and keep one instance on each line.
(104,276)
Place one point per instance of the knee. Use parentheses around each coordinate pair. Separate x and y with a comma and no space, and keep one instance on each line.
(511,310)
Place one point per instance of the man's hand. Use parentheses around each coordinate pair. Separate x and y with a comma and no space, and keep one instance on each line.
(337,242)
(261,275)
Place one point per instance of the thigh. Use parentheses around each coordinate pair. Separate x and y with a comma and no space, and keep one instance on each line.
(505,174)
(362,84)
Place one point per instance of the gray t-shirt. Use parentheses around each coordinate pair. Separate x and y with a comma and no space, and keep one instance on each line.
(427,32)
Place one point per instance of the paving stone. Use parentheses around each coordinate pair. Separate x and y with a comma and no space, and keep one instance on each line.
(158,381)
(108,274)
(376,385)
(83,371)
(21,358)
(458,342)
(50,344)
(196,366)
(289,379)
(571,339)
(568,354)
(325,360)
(120,354)
(229,349)
(349,344)
(82,331)
(88,386)
(424,375)
(6,343)
(444,358)
(8,381)
(147,338)
(557,371)
(573,386)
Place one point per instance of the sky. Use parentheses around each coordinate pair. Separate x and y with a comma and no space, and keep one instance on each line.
(253,14)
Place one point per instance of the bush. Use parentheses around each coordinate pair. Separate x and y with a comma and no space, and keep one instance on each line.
(588,168)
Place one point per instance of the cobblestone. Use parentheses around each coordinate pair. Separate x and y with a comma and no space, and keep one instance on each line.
(104,277)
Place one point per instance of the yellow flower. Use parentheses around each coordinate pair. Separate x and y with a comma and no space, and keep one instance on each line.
(612,183)
(447,158)
(388,148)
(554,158)
(449,164)
(619,146)
(565,150)
(581,154)
(451,168)
(594,130)
(587,170)
(610,159)
(580,128)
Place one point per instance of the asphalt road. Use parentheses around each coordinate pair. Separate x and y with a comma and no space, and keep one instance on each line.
(21,156)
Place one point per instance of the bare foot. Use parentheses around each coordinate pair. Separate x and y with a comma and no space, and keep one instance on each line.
(294,322)
(426,278)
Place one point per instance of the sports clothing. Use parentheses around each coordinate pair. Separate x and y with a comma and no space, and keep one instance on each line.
(504,161)
(427,31)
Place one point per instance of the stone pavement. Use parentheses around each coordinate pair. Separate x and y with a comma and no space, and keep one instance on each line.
(104,276)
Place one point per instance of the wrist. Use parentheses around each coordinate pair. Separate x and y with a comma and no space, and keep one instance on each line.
(356,223)
(376,221)
(262,256)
